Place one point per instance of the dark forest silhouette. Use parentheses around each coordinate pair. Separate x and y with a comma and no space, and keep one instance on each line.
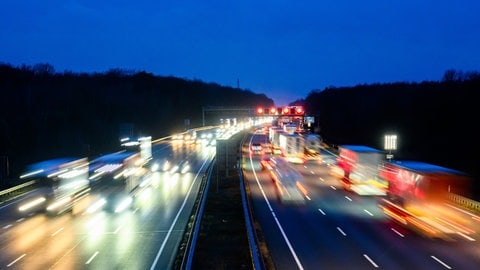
(436,122)
(45,114)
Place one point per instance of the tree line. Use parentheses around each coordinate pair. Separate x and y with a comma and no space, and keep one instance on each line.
(45,114)
(435,121)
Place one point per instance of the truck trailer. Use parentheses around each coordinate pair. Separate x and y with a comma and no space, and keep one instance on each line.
(274,136)
(292,147)
(117,179)
(60,184)
(417,198)
(288,181)
(313,146)
(357,168)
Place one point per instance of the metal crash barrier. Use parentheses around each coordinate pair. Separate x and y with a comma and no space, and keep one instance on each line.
(12,192)
(464,202)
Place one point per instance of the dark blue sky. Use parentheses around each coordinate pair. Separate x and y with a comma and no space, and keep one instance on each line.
(281,48)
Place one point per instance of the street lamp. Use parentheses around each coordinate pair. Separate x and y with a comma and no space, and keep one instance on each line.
(390,144)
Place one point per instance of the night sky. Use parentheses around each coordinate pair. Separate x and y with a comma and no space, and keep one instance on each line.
(281,48)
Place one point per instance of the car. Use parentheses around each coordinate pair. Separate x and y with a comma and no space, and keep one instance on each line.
(266,163)
(163,165)
(256,149)
(267,148)
(184,166)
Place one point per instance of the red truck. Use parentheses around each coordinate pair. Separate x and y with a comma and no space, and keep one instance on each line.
(417,198)
(357,167)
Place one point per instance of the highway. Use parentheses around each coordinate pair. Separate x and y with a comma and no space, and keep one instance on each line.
(145,237)
(333,229)
(337,229)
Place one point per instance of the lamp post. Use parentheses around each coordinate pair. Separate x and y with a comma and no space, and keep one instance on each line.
(390,144)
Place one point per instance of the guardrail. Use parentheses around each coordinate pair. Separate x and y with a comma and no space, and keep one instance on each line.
(469,204)
(464,202)
(16,191)
(196,219)
(253,241)
(197,214)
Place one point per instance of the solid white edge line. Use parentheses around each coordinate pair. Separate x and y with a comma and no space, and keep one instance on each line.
(292,251)
(157,257)
(440,262)
(92,257)
(118,228)
(368,212)
(16,260)
(370,260)
(58,231)
(397,232)
(467,237)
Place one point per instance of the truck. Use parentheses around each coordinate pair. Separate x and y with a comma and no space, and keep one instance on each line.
(417,196)
(59,184)
(117,180)
(313,145)
(357,168)
(274,136)
(267,146)
(288,181)
(292,147)
(290,128)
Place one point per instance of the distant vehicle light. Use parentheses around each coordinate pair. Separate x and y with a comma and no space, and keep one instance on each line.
(185,167)
(155,167)
(174,169)
(256,148)
(166,166)
(266,163)
(130,143)
(177,137)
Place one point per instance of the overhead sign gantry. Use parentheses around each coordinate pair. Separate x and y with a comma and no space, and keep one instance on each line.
(281,111)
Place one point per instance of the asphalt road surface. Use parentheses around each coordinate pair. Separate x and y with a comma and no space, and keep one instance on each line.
(145,237)
(337,229)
